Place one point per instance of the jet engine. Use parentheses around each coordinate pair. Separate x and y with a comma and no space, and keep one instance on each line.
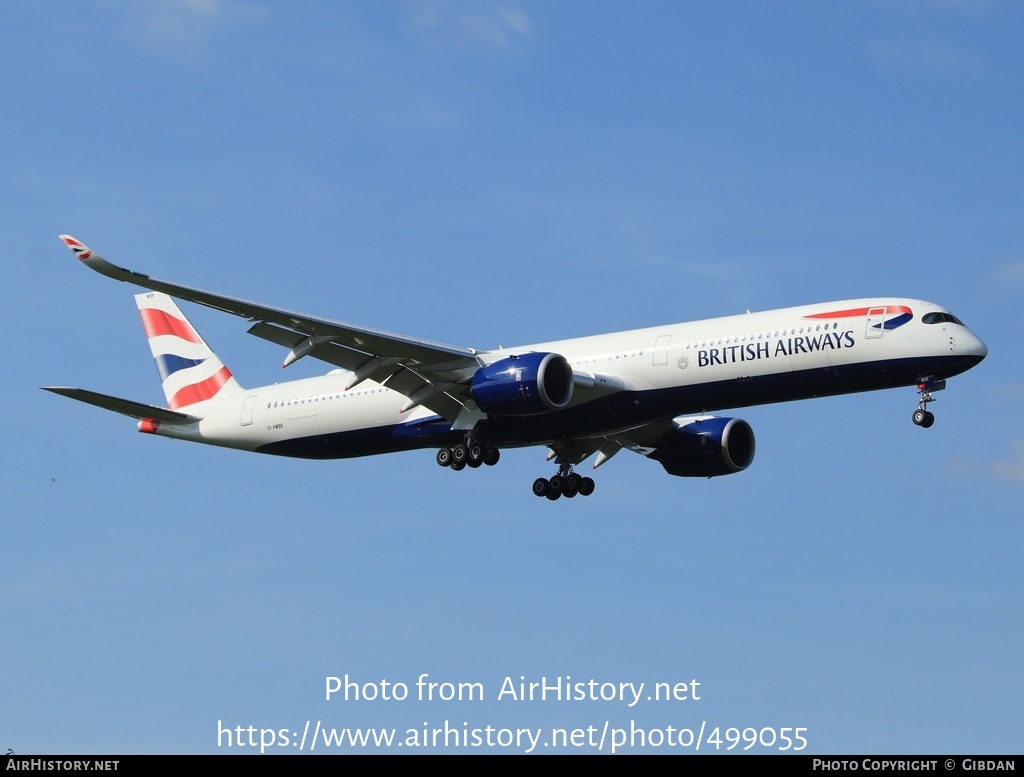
(526,384)
(706,447)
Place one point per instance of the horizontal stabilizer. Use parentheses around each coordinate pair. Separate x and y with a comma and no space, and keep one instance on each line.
(124,406)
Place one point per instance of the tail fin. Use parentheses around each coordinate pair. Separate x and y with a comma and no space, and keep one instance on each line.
(189,371)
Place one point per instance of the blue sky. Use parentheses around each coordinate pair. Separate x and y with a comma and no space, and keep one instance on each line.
(498,173)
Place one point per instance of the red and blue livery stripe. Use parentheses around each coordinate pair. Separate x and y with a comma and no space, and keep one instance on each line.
(893,316)
(198,392)
(156,323)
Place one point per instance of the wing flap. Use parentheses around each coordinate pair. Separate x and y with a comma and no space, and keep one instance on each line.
(641,439)
(422,391)
(327,351)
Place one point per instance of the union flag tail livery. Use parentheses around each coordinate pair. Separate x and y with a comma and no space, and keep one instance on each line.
(77,248)
(646,390)
(189,370)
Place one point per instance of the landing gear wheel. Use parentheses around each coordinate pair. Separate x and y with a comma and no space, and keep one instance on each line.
(475,455)
(458,465)
(586,486)
(555,485)
(923,418)
(571,485)
(444,457)
(459,455)
(491,456)
(540,487)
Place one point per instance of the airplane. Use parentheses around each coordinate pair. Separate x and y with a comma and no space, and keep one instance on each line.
(647,390)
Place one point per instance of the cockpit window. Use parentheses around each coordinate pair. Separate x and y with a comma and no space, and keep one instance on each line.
(940,318)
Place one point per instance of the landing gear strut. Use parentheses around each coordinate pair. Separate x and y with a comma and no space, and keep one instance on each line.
(925,387)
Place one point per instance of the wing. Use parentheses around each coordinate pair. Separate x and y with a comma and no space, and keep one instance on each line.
(427,373)
(641,439)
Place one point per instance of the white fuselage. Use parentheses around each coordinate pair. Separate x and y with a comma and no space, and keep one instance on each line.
(714,364)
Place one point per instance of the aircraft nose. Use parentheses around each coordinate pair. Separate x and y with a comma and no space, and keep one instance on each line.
(974,347)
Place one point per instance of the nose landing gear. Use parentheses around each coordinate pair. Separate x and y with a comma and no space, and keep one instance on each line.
(926,387)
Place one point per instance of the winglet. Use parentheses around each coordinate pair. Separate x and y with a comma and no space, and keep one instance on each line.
(79,249)
(96,262)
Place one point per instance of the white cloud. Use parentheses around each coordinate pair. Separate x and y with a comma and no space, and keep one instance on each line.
(34,587)
(927,35)
(924,55)
(1010,273)
(481,25)
(1009,469)
(970,8)
(182,23)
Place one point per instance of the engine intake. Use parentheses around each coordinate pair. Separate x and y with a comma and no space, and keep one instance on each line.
(526,384)
(706,447)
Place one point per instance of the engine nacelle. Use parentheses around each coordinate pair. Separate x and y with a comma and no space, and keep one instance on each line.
(527,384)
(706,447)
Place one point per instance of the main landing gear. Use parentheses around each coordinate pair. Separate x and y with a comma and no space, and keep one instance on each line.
(468,455)
(472,454)
(925,387)
(566,483)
